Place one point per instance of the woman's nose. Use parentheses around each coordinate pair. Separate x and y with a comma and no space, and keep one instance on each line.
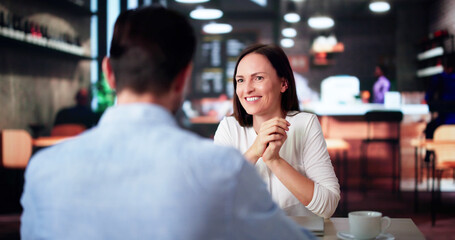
(249,87)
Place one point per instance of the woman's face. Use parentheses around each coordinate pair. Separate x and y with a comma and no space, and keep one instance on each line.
(259,88)
(378,72)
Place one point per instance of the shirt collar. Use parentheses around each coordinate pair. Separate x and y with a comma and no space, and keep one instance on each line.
(137,112)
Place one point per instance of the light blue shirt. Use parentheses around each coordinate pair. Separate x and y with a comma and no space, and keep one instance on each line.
(138,176)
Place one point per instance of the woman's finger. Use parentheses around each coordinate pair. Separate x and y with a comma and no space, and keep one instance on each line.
(280,122)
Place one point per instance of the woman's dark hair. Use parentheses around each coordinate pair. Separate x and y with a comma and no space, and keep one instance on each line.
(280,62)
(149,47)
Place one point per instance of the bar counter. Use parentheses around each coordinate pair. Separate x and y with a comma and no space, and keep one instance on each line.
(359,109)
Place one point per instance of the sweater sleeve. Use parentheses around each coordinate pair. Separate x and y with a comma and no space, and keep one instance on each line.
(319,168)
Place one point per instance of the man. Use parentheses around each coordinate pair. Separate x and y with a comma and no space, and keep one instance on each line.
(78,114)
(136,175)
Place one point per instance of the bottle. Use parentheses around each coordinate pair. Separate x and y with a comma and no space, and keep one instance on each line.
(2,19)
(17,22)
(27,26)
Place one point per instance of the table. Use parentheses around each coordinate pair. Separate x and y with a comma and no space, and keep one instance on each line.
(48,141)
(338,146)
(400,228)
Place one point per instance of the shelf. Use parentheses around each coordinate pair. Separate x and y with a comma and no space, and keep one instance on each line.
(435,52)
(430,71)
(21,39)
(71,7)
(431,53)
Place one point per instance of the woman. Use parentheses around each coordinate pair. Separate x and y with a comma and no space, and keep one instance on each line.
(286,146)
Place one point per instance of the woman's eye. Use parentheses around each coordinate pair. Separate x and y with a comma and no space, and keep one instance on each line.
(239,80)
(259,77)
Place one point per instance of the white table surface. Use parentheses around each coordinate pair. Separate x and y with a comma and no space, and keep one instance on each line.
(400,228)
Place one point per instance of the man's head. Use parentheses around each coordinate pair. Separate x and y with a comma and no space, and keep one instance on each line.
(151,50)
(380,70)
(82,97)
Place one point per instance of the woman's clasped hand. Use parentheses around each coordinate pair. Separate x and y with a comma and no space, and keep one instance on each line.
(271,136)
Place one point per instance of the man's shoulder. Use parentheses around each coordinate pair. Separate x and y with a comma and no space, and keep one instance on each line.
(206,147)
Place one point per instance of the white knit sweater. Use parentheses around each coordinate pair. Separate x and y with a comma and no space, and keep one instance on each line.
(305,149)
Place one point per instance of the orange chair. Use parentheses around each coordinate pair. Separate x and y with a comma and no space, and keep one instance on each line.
(67,129)
(16,148)
(444,149)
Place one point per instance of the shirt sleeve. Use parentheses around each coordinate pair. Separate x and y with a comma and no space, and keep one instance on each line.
(319,168)
(223,134)
(30,219)
(256,216)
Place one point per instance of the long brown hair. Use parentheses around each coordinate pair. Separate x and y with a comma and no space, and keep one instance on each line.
(280,62)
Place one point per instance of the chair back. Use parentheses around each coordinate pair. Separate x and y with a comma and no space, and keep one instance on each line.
(376,116)
(445,153)
(384,116)
(16,148)
(67,129)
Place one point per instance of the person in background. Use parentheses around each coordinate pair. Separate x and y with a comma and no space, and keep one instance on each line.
(381,86)
(440,97)
(79,114)
(286,146)
(137,175)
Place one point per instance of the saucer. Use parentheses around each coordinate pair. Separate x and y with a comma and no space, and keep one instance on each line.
(348,236)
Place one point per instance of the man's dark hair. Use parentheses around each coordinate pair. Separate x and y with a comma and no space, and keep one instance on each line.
(149,47)
(280,62)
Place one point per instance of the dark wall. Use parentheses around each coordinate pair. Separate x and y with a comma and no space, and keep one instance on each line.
(367,42)
(412,26)
(389,39)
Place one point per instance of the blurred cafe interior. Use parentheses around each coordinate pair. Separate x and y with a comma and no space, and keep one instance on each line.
(51,53)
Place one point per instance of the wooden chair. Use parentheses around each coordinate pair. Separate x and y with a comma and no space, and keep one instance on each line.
(394,119)
(16,148)
(444,149)
(67,129)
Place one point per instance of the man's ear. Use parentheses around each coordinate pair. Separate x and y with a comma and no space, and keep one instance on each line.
(284,85)
(108,72)
(182,79)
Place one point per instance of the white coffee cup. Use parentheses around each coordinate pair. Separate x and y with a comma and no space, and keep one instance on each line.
(367,224)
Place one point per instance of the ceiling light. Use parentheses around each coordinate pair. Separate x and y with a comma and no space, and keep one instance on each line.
(217,28)
(324,44)
(291,17)
(192,1)
(201,13)
(379,6)
(321,22)
(287,43)
(289,32)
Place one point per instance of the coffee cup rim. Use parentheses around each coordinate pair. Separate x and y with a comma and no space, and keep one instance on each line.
(365,213)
